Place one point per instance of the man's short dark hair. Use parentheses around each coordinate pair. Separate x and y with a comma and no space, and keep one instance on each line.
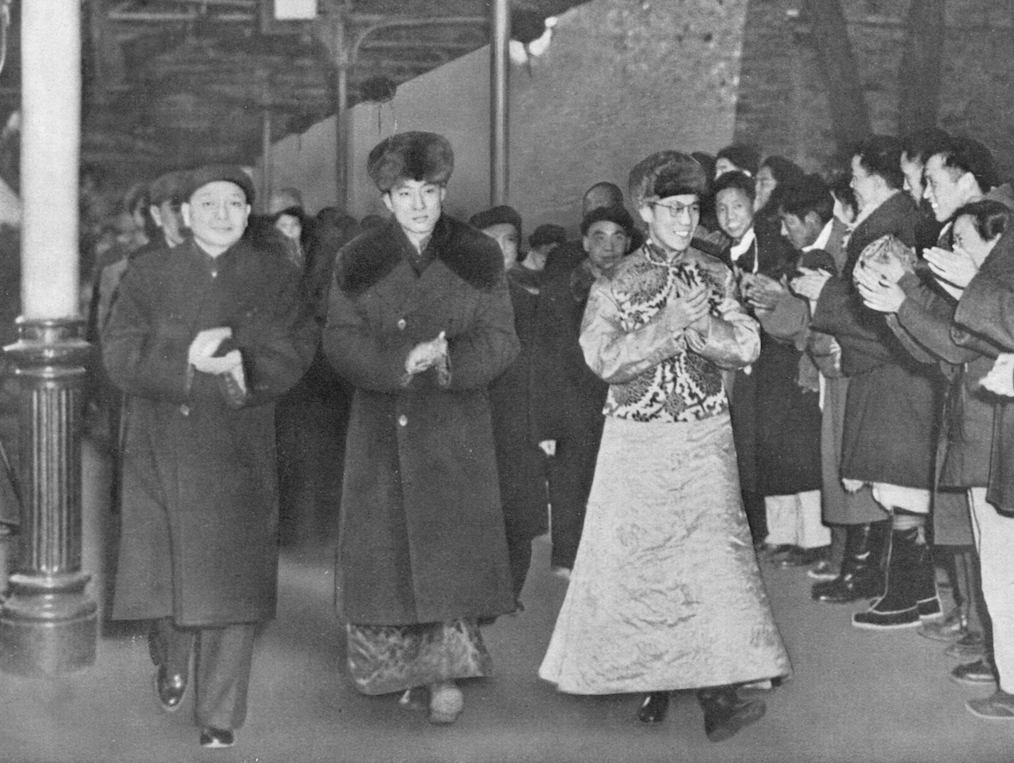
(808,193)
(969,155)
(881,155)
(734,179)
(920,145)
(747,158)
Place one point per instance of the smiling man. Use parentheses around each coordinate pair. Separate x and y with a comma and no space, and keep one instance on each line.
(665,592)
(203,341)
(420,323)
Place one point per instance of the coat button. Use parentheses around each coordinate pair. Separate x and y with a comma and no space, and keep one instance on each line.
(402,324)
(403,420)
(185,409)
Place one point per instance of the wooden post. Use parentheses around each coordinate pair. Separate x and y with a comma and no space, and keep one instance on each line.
(48,623)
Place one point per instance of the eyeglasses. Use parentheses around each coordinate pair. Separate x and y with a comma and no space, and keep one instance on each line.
(678,209)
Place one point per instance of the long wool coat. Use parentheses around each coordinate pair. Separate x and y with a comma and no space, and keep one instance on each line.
(893,401)
(200,510)
(422,534)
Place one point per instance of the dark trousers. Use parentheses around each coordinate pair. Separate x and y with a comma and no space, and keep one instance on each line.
(571,471)
(222,662)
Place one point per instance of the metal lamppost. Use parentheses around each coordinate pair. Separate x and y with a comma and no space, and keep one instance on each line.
(48,623)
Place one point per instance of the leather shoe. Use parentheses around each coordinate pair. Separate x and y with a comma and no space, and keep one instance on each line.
(170,690)
(979,672)
(653,707)
(726,713)
(803,557)
(969,645)
(216,739)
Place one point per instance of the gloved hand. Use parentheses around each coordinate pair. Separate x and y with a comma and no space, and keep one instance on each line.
(201,354)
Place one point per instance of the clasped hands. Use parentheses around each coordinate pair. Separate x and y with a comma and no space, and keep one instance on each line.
(201,354)
(691,309)
(427,354)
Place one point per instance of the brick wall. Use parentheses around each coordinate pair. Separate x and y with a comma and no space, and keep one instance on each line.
(782,104)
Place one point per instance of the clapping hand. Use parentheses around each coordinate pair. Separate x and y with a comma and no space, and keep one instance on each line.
(956,268)
(810,283)
(691,308)
(427,354)
(761,292)
(877,291)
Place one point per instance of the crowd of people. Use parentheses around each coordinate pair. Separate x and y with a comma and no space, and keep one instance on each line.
(750,364)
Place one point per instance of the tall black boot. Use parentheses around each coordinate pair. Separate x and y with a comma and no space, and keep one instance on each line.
(861,575)
(725,712)
(925,583)
(899,606)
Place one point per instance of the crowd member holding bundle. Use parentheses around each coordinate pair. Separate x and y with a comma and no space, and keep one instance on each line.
(923,314)
(889,436)
(420,323)
(679,603)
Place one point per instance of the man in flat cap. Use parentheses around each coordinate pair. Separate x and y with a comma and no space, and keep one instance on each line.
(665,593)
(420,323)
(203,341)
(569,398)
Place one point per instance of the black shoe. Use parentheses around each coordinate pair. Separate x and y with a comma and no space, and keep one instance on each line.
(981,671)
(169,690)
(216,739)
(725,713)
(804,557)
(653,707)
(862,568)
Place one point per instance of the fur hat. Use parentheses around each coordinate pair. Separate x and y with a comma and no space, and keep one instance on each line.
(665,174)
(547,234)
(410,156)
(167,187)
(211,173)
(496,216)
(617,215)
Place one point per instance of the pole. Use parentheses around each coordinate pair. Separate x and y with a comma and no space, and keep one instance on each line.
(341,122)
(500,33)
(48,623)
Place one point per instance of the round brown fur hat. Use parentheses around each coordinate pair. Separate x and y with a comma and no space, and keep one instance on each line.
(410,156)
(665,174)
(211,173)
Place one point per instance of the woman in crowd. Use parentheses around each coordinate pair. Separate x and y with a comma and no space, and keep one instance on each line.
(665,593)
(776,422)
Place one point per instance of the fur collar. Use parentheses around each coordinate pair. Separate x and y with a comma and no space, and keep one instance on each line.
(369,258)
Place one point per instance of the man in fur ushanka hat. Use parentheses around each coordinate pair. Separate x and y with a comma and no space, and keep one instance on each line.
(420,322)
(661,330)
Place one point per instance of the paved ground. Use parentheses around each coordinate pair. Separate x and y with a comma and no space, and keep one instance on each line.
(857,696)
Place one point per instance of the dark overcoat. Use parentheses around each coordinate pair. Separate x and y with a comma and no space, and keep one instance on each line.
(520,462)
(890,426)
(985,313)
(775,422)
(199,501)
(421,536)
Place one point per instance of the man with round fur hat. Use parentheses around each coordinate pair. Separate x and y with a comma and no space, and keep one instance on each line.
(420,323)
(679,604)
(202,342)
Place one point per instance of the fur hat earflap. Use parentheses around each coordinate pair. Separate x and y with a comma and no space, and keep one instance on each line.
(410,156)
(665,174)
